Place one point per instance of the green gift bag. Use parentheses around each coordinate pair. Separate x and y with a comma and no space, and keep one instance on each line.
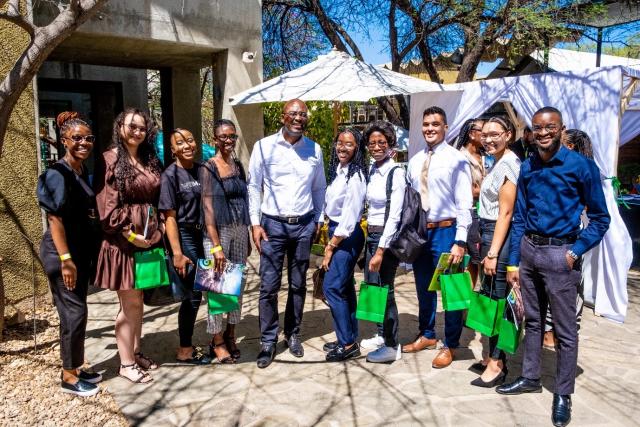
(150,269)
(221,303)
(509,336)
(372,302)
(485,313)
(443,266)
(456,291)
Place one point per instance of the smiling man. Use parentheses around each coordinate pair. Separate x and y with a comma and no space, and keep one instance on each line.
(286,195)
(442,176)
(554,187)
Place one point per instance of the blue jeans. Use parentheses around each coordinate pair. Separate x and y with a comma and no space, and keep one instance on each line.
(339,286)
(191,245)
(439,240)
(385,276)
(294,241)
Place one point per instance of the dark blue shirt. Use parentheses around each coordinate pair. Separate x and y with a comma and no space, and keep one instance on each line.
(552,196)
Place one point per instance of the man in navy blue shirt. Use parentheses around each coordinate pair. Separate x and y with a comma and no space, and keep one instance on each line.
(555,186)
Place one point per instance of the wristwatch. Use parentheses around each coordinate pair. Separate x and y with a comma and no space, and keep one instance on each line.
(492,255)
(572,255)
(460,243)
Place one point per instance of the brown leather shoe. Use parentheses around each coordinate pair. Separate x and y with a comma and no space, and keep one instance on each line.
(443,358)
(420,344)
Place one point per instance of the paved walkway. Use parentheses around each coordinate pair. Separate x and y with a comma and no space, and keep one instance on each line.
(308,391)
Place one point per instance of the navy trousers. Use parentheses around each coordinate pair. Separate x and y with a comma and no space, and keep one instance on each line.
(338,285)
(294,241)
(439,240)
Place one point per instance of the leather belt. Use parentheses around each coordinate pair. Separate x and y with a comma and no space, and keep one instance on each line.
(190,226)
(439,224)
(375,229)
(550,241)
(290,219)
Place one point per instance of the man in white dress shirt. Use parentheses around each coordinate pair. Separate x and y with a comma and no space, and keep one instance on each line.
(442,176)
(286,187)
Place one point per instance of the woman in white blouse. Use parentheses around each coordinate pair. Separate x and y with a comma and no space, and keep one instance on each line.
(382,223)
(344,202)
(497,200)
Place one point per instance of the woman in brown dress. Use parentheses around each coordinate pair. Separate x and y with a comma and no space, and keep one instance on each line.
(127,194)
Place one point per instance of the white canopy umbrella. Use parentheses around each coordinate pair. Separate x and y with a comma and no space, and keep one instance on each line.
(334,77)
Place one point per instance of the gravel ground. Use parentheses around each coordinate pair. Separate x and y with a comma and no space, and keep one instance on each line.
(29,382)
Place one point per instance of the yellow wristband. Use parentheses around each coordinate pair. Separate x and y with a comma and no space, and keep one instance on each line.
(65,257)
(216,249)
(512,268)
(132,237)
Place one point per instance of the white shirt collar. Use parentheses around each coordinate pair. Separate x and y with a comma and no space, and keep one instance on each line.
(437,148)
(280,140)
(384,168)
(342,170)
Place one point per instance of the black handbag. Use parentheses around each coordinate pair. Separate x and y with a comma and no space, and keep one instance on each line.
(408,241)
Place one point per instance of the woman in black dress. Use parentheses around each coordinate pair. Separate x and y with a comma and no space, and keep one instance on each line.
(68,247)
(180,203)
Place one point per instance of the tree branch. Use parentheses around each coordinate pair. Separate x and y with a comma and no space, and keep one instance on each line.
(14,16)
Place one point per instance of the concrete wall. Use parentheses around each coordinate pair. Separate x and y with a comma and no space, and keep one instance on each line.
(19,211)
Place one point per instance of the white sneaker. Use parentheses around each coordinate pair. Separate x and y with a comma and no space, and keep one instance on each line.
(399,352)
(372,343)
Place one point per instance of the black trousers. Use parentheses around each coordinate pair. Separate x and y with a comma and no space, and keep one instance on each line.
(191,244)
(294,241)
(72,310)
(385,276)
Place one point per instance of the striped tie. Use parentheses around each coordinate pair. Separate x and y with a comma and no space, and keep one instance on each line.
(424,182)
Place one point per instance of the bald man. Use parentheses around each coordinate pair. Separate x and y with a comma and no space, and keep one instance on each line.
(286,195)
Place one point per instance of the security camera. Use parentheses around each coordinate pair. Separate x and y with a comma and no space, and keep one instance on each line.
(248,56)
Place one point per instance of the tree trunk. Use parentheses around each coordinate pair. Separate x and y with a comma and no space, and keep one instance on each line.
(1,302)
(43,41)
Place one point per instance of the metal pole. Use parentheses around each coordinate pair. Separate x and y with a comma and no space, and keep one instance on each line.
(599,47)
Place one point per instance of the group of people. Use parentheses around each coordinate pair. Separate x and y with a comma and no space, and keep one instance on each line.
(526,218)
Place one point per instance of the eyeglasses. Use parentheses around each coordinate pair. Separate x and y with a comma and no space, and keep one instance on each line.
(475,130)
(548,128)
(133,128)
(294,114)
(379,143)
(345,144)
(490,136)
(232,137)
(89,139)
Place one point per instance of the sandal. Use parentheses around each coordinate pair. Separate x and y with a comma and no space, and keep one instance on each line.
(145,362)
(197,358)
(230,342)
(142,378)
(227,360)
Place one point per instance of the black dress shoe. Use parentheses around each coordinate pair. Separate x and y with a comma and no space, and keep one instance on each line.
(478,367)
(521,385)
(295,346)
(340,353)
(266,355)
(498,380)
(327,347)
(80,388)
(561,412)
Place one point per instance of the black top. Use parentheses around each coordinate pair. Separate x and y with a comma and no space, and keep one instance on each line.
(63,193)
(226,197)
(180,191)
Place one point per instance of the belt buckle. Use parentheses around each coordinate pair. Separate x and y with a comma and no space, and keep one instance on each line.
(292,220)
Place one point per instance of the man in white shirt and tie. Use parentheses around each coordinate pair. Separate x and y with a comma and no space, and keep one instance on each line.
(442,176)
(286,186)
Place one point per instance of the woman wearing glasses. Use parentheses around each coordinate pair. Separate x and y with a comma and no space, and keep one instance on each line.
(180,203)
(382,223)
(127,191)
(68,247)
(497,200)
(343,206)
(226,217)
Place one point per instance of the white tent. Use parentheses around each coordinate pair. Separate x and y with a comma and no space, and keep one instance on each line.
(593,100)
(333,77)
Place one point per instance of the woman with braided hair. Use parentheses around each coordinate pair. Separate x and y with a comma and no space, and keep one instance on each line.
(67,248)
(344,202)
(128,190)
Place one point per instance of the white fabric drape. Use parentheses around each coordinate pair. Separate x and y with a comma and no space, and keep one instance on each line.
(590,101)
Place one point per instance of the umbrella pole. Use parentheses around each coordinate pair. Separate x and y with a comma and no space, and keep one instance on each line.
(336,116)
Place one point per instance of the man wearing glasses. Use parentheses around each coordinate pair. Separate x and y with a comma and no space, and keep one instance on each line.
(442,176)
(554,188)
(286,193)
